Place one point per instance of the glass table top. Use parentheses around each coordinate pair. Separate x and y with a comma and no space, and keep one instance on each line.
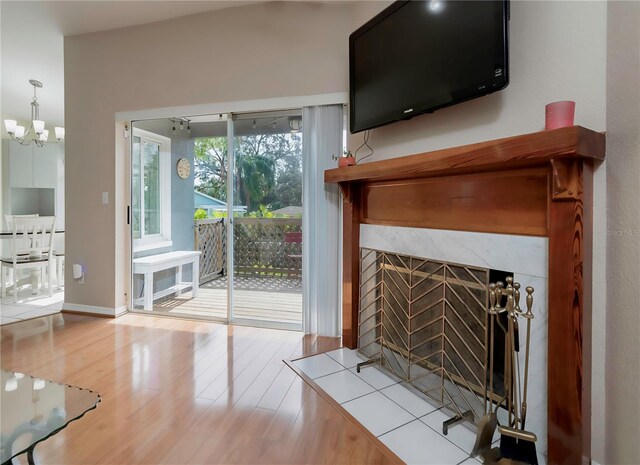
(34,409)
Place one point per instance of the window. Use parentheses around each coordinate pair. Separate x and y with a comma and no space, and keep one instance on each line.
(150,190)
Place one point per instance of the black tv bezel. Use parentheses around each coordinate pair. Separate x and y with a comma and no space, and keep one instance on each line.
(463,94)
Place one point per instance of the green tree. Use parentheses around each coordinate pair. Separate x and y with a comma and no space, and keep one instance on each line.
(255,178)
(268,169)
(210,166)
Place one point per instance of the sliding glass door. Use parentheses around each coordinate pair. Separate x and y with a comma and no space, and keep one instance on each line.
(217,217)
(267,223)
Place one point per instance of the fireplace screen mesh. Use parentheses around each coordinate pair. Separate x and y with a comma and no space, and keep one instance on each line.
(426,322)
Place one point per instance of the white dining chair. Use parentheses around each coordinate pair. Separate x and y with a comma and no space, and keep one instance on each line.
(22,248)
(32,248)
(58,256)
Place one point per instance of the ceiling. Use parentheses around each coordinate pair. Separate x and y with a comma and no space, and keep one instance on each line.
(31,43)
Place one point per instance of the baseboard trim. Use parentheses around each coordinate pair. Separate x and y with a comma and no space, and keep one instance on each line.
(94,310)
(121,310)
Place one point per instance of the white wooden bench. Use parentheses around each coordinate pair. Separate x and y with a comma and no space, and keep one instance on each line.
(146,266)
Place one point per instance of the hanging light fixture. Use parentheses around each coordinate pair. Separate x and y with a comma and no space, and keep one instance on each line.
(180,121)
(36,132)
(295,123)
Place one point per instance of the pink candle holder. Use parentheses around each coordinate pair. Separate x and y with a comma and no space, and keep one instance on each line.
(559,114)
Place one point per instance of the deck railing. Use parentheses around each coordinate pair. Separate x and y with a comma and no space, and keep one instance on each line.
(210,238)
(268,247)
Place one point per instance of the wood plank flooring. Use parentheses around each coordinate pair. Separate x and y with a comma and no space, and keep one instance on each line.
(271,306)
(184,392)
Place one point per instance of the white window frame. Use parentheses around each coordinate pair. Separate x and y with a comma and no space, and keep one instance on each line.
(155,241)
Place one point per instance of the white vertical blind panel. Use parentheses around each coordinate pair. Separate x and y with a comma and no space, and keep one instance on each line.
(322,137)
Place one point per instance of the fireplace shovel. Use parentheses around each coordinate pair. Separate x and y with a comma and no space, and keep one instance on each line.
(488,423)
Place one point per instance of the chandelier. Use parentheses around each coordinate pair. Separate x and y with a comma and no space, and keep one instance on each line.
(36,133)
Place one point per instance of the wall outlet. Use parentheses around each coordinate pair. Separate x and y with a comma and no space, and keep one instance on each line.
(78,273)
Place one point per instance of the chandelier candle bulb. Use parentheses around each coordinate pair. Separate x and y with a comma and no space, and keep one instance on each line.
(11,385)
(38,126)
(10,125)
(38,384)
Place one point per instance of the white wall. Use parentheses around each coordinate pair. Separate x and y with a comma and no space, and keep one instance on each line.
(557,52)
(256,52)
(623,248)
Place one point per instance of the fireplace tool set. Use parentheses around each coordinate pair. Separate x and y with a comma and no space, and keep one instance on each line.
(517,445)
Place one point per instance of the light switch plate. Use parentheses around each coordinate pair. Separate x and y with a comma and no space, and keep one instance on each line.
(105,198)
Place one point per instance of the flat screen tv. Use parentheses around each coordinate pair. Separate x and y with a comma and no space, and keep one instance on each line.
(418,56)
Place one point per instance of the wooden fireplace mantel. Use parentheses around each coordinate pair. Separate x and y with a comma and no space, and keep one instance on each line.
(538,184)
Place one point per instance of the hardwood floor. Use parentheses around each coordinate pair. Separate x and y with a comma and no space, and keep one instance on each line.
(184,392)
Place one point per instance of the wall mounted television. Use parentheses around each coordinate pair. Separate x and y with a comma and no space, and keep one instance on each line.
(419,56)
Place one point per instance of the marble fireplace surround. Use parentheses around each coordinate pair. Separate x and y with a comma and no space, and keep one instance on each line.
(525,256)
(538,184)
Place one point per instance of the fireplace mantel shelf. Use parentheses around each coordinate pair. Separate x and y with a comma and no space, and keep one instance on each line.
(522,151)
(538,184)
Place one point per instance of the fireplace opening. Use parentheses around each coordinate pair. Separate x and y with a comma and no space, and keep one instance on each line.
(426,322)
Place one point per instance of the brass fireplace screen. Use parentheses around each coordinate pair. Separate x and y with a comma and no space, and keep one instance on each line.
(425,321)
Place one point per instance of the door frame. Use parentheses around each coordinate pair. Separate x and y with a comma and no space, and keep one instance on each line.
(124,121)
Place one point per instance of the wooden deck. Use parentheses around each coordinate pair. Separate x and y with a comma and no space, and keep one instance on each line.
(264,305)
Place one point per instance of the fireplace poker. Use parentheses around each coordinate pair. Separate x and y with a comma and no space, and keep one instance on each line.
(529,316)
(517,311)
(513,401)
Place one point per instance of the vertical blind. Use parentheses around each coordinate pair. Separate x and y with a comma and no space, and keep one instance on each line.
(322,135)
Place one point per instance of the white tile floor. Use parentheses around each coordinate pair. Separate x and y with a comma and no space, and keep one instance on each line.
(317,366)
(401,417)
(29,306)
(344,386)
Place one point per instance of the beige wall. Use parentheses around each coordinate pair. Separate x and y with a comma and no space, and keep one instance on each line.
(623,247)
(256,52)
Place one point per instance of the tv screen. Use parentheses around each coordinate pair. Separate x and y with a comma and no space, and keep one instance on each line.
(418,56)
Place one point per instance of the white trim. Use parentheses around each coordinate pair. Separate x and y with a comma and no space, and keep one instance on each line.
(121,310)
(152,246)
(277,103)
(231,160)
(155,241)
(114,312)
(282,325)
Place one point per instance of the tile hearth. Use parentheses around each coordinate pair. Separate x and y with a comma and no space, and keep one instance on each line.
(399,416)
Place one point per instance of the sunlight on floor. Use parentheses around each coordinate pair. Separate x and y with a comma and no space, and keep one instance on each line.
(28,305)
